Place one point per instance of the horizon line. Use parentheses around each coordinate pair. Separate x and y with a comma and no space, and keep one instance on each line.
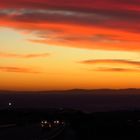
(63,90)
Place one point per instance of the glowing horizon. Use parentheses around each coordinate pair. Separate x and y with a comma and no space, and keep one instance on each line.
(73,44)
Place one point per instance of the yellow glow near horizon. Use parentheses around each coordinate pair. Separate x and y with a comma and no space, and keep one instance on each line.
(61,69)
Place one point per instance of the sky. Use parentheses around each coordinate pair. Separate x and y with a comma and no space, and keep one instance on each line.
(68,44)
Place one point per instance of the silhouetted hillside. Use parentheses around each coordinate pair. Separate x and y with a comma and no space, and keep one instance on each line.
(85,100)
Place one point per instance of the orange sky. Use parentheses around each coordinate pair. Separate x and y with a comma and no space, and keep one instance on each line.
(66,44)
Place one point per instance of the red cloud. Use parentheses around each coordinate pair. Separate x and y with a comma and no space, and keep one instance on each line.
(80,4)
(79,22)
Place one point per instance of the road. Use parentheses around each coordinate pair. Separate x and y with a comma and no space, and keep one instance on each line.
(29,132)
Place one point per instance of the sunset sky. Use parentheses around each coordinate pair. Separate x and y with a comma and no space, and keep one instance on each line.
(68,44)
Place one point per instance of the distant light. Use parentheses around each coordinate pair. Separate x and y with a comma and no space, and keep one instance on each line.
(44,122)
(9,103)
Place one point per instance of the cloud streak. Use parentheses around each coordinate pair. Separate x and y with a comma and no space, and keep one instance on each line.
(111,61)
(12,55)
(16,69)
(116,70)
(112,65)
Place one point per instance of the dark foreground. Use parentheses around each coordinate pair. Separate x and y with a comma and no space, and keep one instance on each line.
(26,125)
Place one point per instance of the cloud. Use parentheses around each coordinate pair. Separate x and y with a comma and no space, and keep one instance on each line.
(111,61)
(11,55)
(105,18)
(75,4)
(104,24)
(113,65)
(58,38)
(17,69)
(116,70)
